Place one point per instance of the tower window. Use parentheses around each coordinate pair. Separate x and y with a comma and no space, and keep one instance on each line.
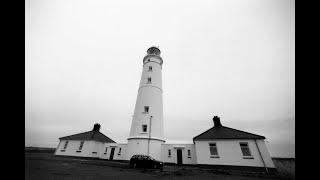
(144,128)
(81,144)
(245,149)
(149,80)
(213,150)
(150,68)
(146,109)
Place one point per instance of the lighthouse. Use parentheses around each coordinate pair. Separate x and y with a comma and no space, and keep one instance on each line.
(146,133)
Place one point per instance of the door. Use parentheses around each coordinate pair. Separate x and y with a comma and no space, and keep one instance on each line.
(179,156)
(111,154)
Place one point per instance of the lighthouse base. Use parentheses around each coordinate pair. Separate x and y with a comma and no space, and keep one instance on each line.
(140,146)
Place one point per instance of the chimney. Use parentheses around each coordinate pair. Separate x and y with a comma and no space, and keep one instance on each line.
(96,127)
(216,121)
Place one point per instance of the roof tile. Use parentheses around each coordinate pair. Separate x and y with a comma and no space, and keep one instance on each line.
(222,132)
(90,135)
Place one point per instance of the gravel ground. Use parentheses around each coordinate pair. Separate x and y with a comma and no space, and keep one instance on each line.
(41,166)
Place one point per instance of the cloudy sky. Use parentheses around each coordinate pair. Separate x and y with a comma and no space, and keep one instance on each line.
(230,58)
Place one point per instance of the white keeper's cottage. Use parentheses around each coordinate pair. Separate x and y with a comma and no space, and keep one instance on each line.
(218,147)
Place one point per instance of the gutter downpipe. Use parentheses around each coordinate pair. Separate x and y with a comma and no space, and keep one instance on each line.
(264,164)
(149,134)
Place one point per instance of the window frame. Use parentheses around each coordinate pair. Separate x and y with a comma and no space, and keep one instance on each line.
(248,148)
(189,153)
(146,109)
(146,128)
(213,145)
(81,145)
(65,145)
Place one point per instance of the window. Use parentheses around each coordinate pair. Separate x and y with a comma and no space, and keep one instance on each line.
(106,149)
(65,145)
(189,153)
(119,151)
(169,153)
(144,128)
(213,150)
(150,68)
(81,144)
(245,149)
(146,109)
(149,80)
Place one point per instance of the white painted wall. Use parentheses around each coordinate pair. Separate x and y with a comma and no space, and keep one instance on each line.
(173,158)
(140,146)
(149,95)
(106,154)
(265,153)
(122,154)
(73,146)
(89,147)
(230,153)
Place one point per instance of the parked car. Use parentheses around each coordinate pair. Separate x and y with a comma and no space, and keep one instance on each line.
(145,161)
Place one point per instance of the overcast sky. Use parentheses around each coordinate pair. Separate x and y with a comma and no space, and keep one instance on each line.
(230,58)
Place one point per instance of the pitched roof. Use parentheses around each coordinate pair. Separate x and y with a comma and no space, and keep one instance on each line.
(222,132)
(90,135)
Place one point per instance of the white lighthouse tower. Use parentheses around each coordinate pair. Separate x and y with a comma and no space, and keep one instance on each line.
(146,133)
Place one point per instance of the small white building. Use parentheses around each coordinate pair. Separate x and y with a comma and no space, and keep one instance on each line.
(87,144)
(178,154)
(223,146)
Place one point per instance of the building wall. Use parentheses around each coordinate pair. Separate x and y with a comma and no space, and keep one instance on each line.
(88,148)
(151,97)
(173,158)
(265,153)
(149,94)
(116,156)
(122,154)
(230,153)
(91,146)
(140,146)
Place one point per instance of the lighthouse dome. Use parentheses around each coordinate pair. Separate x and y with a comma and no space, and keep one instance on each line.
(154,50)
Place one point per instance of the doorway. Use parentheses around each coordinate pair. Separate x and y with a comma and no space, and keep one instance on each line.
(179,156)
(111,154)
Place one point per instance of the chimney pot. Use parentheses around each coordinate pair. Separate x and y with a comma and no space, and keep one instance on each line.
(216,121)
(96,127)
